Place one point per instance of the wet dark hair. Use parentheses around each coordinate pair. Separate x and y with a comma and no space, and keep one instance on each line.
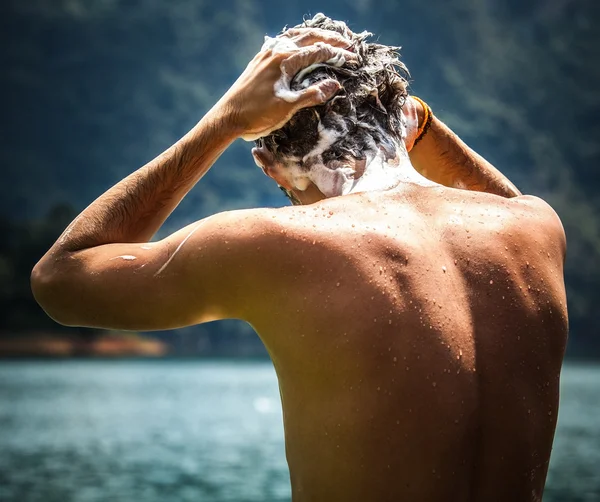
(368,107)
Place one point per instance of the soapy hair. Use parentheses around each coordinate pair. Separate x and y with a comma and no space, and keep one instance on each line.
(365,113)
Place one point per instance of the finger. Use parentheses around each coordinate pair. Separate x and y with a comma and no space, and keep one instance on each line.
(300,31)
(319,93)
(304,37)
(278,45)
(314,54)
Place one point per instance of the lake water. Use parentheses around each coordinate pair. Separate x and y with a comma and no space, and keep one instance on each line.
(155,431)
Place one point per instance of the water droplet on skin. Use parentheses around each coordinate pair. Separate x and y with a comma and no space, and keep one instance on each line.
(527,263)
(395,359)
(126,257)
(338,284)
(491,281)
(390,321)
(434,384)
(444,269)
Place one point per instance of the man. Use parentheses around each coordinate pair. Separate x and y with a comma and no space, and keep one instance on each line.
(417,329)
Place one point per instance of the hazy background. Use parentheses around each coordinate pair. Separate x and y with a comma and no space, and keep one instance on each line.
(92,89)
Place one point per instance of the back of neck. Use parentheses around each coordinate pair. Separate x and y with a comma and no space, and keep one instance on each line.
(384,168)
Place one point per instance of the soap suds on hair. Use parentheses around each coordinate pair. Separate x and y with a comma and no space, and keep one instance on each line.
(383,170)
(327,138)
(362,125)
(282,87)
(289,87)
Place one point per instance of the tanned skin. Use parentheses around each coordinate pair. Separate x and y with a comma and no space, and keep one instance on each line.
(417,333)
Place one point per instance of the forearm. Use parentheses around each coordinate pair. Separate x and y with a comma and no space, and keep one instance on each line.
(135,208)
(444,158)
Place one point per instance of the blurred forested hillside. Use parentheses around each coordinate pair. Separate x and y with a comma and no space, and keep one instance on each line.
(92,89)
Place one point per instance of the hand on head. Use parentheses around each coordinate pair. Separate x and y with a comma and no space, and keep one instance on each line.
(261,100)
(412,110)
(303,37)
(413,113)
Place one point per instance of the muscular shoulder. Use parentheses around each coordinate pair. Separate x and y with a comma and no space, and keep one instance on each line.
(259,241)
(249,234)
(272,255)
(541,219)
(263,226)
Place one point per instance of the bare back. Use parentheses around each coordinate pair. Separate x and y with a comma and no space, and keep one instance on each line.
(417,333)
(418,345)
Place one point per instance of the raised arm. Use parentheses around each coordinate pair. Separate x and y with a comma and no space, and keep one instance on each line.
(444,158)
(102,272)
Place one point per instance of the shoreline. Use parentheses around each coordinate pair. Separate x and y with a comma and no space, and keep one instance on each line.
(106,344)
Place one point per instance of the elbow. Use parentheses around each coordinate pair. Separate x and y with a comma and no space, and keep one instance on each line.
(40,284)
(48,288)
